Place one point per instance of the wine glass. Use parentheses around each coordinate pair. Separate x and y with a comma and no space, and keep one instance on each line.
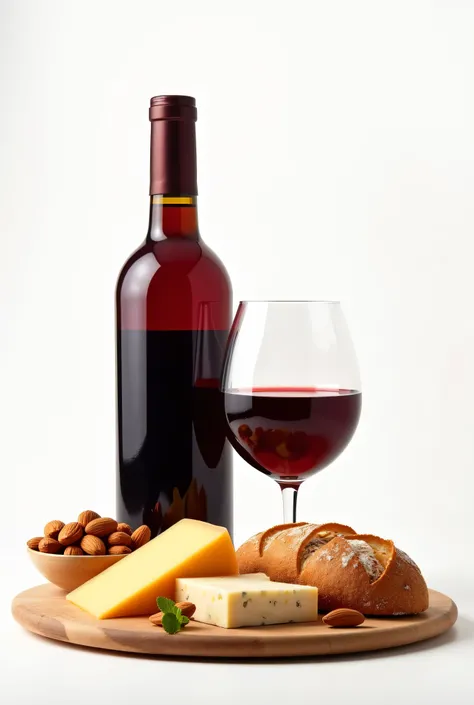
(291,389)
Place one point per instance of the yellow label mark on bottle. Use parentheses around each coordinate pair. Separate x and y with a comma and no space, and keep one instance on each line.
(173,200)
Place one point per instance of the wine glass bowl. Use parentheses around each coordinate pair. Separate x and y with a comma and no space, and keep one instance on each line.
(293,433)
(291,389)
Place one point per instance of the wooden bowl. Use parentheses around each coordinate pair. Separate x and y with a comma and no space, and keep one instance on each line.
(68,572)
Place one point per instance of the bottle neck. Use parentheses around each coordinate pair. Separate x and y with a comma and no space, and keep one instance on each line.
(173,217)
(173,175)
(173,157)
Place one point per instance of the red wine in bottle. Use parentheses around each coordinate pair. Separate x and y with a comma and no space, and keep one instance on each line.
(173,310)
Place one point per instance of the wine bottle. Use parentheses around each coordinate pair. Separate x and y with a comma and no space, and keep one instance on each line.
(173,312)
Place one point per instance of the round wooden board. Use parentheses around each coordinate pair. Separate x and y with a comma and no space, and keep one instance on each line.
(45,611)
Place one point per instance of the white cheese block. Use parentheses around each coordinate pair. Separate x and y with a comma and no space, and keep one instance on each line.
(247,600)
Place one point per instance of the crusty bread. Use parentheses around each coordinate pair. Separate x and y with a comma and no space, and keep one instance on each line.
(359,571)
(274,549)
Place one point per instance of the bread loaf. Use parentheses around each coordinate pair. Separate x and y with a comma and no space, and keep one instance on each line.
(358,571)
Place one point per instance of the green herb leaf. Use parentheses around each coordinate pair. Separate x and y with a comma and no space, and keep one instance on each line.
(165,604)
(173,618)
(171,623)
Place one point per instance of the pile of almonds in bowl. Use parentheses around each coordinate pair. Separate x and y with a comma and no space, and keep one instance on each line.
(90,535)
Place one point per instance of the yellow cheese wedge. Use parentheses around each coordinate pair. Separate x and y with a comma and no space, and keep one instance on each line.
(130,587)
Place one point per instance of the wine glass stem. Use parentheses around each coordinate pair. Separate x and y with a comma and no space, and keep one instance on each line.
(289,496)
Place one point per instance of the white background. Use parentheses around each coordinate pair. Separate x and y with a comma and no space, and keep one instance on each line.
(336,155)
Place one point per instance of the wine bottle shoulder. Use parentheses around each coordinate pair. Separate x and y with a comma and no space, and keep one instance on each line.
(172,284)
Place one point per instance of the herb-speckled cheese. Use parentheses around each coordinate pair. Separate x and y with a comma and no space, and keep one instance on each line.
(247,601)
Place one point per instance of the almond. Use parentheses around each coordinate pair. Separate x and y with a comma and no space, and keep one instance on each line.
(343,617)
(156,619)
(70,533)
(119,538)
(102,526)
(52,529)
(49,545)
(92,545)
(126,528)
(187,608)
(34,543)
(73,551)
(141,536)
(85,517)
(119,550)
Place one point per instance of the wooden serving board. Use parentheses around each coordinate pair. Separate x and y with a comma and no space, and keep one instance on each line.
(45,611)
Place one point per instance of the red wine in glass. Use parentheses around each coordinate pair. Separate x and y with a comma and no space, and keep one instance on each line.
(290,434)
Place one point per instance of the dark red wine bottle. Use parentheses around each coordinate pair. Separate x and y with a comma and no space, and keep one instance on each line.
(173,308)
